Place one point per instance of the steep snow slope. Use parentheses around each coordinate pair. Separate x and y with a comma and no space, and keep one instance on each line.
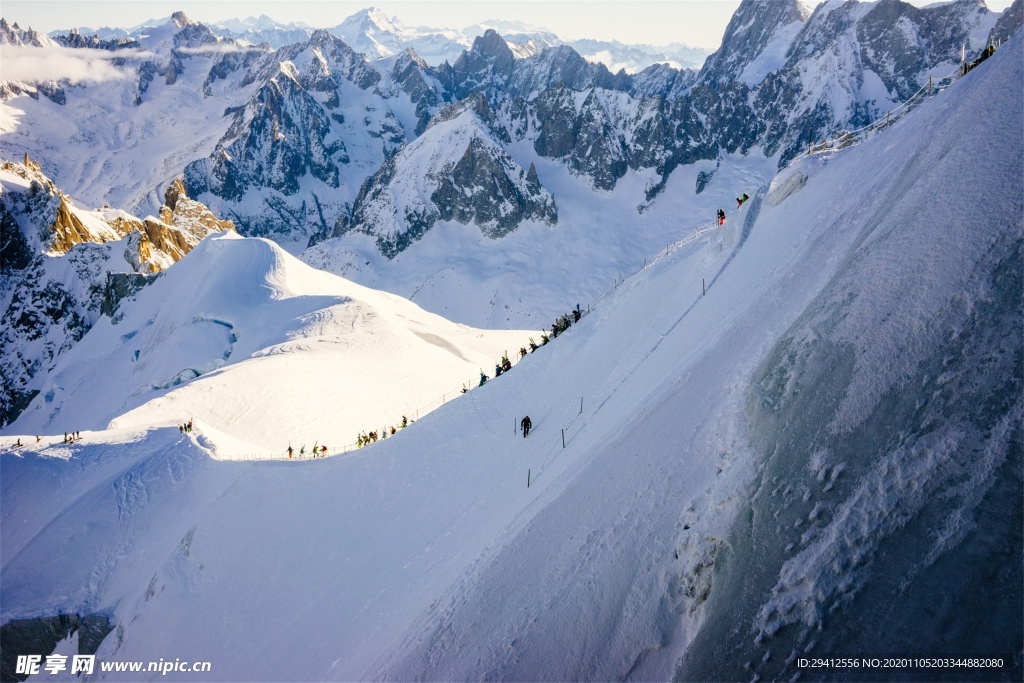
(282,353)
(850,384)
(811,495)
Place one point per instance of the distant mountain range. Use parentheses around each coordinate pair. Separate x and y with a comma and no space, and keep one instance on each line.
(292,142)
(371,32)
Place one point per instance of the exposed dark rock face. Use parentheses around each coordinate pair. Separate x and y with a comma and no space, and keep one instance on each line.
(12,34)
(285,138)
(661,80)
(410,73)
(294,160)
(15,252)
(467,177)
(477,190)
(121,286)
(1009,23)
(41,321)
(40,635)
(486,67)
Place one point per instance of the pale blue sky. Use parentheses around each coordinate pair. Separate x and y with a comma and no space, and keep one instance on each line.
(659,22)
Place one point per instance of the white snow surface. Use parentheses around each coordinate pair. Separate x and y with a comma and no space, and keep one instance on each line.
(261,350)
(426,556)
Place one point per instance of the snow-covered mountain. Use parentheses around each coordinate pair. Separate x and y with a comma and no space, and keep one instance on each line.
(239,322)
(456,171)
(783,439)
(312,130)
(263,29)
(283,141)
(755,42)
(12,34)
(636,58)
(62,266)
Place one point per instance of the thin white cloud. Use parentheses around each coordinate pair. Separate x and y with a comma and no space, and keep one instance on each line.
(83,65)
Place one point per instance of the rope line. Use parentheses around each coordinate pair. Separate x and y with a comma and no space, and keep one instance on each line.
(844,139)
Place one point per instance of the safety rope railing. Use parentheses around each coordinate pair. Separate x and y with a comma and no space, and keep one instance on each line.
(846,138)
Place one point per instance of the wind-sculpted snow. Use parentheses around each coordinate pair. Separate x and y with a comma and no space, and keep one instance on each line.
(240,324)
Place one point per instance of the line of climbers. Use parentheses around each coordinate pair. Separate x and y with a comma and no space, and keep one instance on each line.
(186,428)
(369,437)
(68,439)
(561,324)
(985,54)
(318,450)
(739,202)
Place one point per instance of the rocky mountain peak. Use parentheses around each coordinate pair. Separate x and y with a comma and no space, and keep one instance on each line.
(375,17)
(321,37)
(407,57)
(477,104)
(492,45)
(756,28)
(12,34)
(181,20)
(173,192)
(193,34)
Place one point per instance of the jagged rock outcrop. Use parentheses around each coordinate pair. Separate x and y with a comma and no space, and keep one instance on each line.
(850,47)
(12,34)
(56,260)
(456,170)
(411,74)
(294,132)
(1009,22)
(284,137)
(486,67)
(309,123)
(51,90)
(587,137)
(661,80)
(183,223)
(192,34)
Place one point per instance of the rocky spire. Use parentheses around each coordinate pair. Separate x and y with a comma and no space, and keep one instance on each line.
(174,191)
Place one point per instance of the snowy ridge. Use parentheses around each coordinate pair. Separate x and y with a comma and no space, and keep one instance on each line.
(799,460)
(240,313)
